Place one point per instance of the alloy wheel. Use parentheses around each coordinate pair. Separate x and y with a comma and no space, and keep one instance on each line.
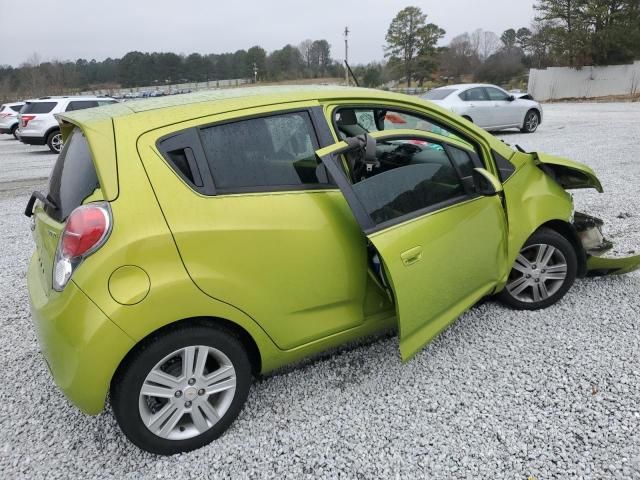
(532,122)
(538,273)
(187,392)
(56,142)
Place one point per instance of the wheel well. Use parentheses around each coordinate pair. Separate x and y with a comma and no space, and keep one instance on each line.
(52,129)
(534,109)
(233,328)
(567,231)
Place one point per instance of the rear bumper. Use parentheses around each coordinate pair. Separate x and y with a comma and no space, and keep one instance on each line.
(81,345)
(32,140)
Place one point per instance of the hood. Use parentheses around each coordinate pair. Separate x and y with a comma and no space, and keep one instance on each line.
(569,174)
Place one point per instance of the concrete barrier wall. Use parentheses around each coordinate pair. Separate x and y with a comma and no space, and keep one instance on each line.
(193,86)
(588,82)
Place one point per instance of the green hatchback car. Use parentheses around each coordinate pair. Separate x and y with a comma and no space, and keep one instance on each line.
(187,244)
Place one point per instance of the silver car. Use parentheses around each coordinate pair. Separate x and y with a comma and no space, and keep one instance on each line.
(489,107)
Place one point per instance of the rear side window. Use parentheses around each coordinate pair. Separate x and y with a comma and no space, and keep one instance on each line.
(38,107)
(262,153)
(438,94)
(73,178)
(81,105)
(474,95)
(16,108)
(105,102)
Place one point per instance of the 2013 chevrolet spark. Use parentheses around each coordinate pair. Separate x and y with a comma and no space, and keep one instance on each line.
(186,244)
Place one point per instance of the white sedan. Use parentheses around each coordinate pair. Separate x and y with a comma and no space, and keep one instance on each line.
(488,106)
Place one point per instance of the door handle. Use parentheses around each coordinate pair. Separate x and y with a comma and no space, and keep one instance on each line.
(411,256)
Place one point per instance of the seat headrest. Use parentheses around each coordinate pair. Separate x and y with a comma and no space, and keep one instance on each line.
(348,117)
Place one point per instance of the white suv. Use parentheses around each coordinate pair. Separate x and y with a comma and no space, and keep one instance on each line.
(9,117)
(38,126)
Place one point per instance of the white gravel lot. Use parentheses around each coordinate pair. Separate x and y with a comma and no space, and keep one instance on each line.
(501,394)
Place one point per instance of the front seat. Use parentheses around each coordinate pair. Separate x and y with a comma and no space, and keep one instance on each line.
(347,123)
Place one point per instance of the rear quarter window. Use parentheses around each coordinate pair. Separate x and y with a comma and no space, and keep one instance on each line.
(39,107)
(73,178)
(16,108)
(81,105)
(438,94)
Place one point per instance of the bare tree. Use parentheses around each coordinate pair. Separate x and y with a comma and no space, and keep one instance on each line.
(32,76)
(306,50)
(484,43)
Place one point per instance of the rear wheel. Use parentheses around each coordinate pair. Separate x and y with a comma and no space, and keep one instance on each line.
(531,122)
(54,141)
(543,272)
(182,389)
(14,131)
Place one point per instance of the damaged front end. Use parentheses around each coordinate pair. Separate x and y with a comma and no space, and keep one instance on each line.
(595,245)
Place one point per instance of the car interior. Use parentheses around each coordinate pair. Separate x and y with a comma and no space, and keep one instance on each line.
(406,175)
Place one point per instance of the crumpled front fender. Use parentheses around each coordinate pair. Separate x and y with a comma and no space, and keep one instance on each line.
(569,174)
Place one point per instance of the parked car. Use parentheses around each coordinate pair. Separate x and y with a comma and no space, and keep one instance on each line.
(38,125)
(188,243)
(489,106)
(9,117)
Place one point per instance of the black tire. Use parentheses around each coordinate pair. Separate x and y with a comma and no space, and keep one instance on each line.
(14,131)
(128,381)
(564,254)
(531,122)
(54,141)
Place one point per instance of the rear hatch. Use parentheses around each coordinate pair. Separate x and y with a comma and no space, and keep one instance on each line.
(33,111)
(72,180)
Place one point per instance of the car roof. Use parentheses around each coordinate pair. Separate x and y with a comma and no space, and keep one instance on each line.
(70,97)
(224,100)
(465,86)
(11,104)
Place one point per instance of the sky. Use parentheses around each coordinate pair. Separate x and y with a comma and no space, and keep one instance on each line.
(90,29)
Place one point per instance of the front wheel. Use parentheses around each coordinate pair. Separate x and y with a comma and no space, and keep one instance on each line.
(181,390)
(54,141)
(543,272)
(531,122)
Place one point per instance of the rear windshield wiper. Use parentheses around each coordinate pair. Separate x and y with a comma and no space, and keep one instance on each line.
(43,198)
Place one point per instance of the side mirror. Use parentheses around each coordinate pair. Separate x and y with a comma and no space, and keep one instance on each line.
(485,183)
(511,98)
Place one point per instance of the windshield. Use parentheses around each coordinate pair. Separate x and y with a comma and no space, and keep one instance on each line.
(438,94)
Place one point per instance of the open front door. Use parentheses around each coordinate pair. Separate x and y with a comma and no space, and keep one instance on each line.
(441,243)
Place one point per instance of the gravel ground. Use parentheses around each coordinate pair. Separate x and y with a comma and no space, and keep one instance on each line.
(500,394)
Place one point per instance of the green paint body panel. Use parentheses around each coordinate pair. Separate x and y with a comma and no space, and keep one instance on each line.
(288,268)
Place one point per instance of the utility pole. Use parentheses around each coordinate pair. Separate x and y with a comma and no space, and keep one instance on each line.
(346,55)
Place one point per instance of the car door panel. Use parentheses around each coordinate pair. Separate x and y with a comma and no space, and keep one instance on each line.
(439,261)
(295,261)
(435,273)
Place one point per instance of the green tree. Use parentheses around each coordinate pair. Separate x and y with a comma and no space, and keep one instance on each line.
(410,42)
(566,19)
(257,56)
(509,39)
(523,38)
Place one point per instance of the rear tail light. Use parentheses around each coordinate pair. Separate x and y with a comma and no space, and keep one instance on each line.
(26,119)
(87,229)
